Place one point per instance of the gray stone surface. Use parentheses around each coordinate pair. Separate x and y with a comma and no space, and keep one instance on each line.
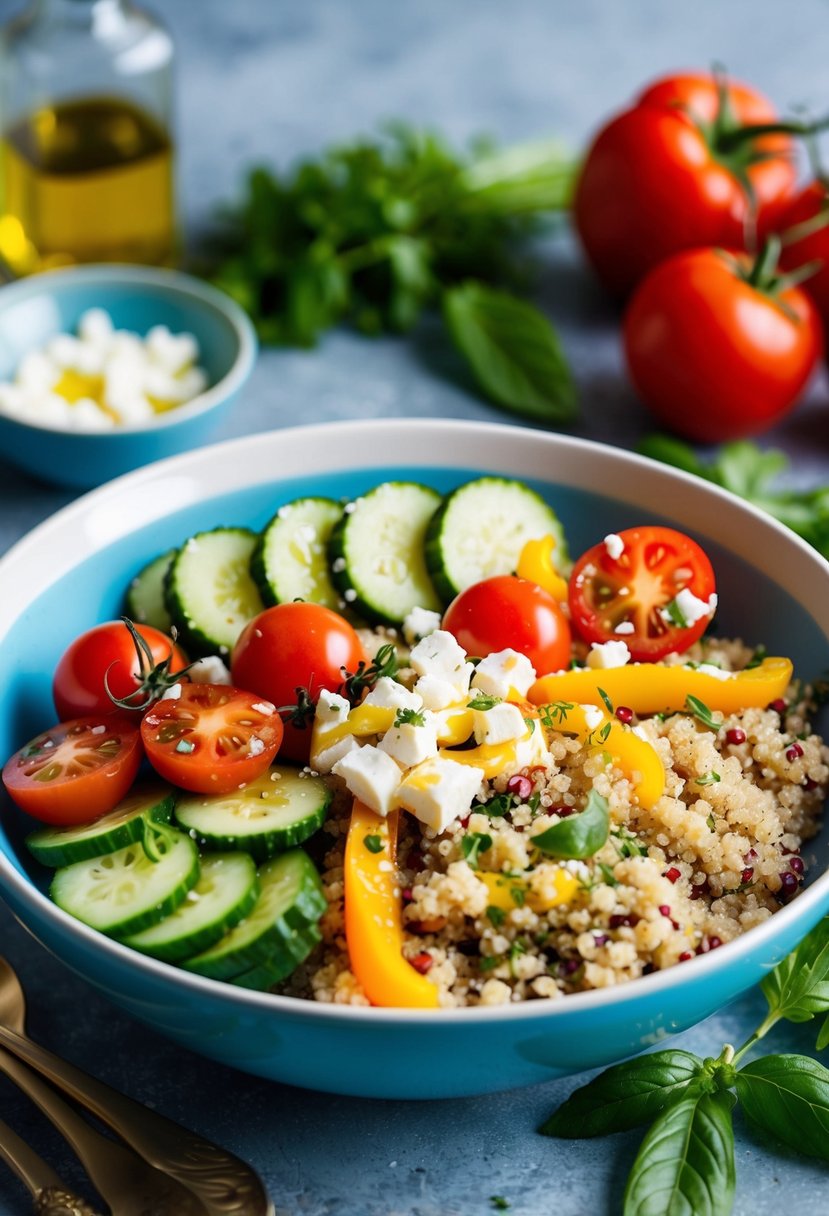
(264,81)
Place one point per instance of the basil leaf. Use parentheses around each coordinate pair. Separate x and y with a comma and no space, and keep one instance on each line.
(624,1096)
(798,988)
(788,1096)
(686,1161)
(513,352)
(581,835)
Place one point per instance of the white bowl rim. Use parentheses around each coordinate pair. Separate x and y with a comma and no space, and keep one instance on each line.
(170,282)
(392,435)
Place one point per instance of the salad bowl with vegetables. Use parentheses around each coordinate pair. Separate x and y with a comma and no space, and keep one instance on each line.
(505,752)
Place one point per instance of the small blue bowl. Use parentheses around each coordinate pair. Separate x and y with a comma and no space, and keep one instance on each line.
(71,573)
(34,310)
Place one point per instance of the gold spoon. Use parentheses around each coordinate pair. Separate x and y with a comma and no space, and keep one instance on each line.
(224,1184)
(51,1196)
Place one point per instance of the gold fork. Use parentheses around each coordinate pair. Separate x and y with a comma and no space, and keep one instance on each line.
(51,1195)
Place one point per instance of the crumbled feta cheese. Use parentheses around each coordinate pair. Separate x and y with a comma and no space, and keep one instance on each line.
(172,693)
(419,623)
(331,710)
(209,670)
(608,654)
(438,654)
(692,608)
(500,724)
(388,694)
(324,760)
(265,708)
(498,673)
(593,716)
(410,744)
(255,746)
(437,694)
(709,669)
(614,545)
(439,791)
(370,775)
(625,627)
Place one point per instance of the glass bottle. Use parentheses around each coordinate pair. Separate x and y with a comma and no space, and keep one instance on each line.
(86,154)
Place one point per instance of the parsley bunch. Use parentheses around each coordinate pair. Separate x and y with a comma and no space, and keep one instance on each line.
(751,473)
(686,1160)
(377,231)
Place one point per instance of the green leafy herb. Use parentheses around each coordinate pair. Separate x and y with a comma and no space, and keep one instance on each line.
(374,844)
(490,962)
(554,714)
(513,352)
(626,844)
(580,835)
(675,614)
(607,701)
(483,701)
(752,473)
(499,1203)
(608,875)
(708,779)
(473,844)
(530,724)
(498,806)
(496,916)
(409,717)
(757,658)
(711,822)
(518,896)
(701,711)
(685,1162)
(385,663)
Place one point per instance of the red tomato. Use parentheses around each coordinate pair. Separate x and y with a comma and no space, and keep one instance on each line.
(212,738)
(295,646)
(76,771)
(713,356)
(811,202)
(109,651)
(664,176)
(608,594)
(511,613)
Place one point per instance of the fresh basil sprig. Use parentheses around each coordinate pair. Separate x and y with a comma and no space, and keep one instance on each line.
(580,835)
(685,1162)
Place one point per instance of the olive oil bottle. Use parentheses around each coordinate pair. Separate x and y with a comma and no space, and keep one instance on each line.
(86,154)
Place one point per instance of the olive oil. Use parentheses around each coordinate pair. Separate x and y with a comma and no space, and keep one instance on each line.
(87,180)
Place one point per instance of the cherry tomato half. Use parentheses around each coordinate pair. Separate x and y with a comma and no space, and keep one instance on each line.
(506,612)
(212,738)
(76,771)
(108,651)
(713,356)
(666,174)
(295,646)
(630,597)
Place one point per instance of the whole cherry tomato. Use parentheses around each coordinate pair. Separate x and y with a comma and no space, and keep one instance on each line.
(666,175)
(626,591)
(812,248)
(211,738)
(108,653)
(717,348)
(506,612)
(77,771)
(295,646)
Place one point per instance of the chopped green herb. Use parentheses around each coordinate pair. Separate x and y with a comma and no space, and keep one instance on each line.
(374,844)
(607,872)
(711,823)
(626,844)
(384,663)
(607,700)
(605,731)
(490,962)
(409,717)
(701,711)
(708,779)
(482,701)
(757,658)
(498,806)
(534,802)
(675,615)
(555,713)
(473,844)
(530,724)
(496,916)
(499,1203)
(519,896)
(579,835)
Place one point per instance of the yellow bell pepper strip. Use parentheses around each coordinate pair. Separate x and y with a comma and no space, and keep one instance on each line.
(502,886)
(651,688)
(536,564)
(363,720)
(374,915)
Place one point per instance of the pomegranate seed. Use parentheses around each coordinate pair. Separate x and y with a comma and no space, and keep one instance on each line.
(796,864)
(788,883)
(562,810)
(601,939)
(707,944)
(618,921)
(665,910)
(809,784)
(685,955)
(625,714)
(408,895)
(789,852)
(779,706)
(714,943)
(464,822)
(569,966)
(794,752)
(422,962)
(747,874)
(522,786)
(736,736)
(698,891)
(648,969)
(673,874)
(751,855)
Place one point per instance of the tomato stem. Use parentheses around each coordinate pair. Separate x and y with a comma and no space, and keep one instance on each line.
(731,138)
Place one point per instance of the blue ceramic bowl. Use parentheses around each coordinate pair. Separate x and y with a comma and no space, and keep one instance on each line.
(34,310)
(72,571)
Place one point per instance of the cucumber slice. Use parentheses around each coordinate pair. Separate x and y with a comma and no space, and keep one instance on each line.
(123,826)
(226,892)
(144,601)
(266,976)
(290,561)
(376,552)
(209,591)
(124,893)
(273,813)
(276,934)
(481,529)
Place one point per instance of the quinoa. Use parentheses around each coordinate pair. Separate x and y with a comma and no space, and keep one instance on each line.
(718,853)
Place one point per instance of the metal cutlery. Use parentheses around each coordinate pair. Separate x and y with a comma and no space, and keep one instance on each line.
(52,1197)
(225,1185)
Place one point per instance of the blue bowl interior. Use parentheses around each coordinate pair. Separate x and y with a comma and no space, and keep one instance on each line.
(29,320)
(752,606)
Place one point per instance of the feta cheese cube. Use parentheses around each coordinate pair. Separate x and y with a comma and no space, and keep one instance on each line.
(332,709)
(388,694)
(439,655)
(209,670)
(437,694)
(529,752)
(439,791)
(502,671)
(370,775)
(419,623)
(593,716)
(614,546)
(409,744)
(500,724)
(324,760)
(604,655)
